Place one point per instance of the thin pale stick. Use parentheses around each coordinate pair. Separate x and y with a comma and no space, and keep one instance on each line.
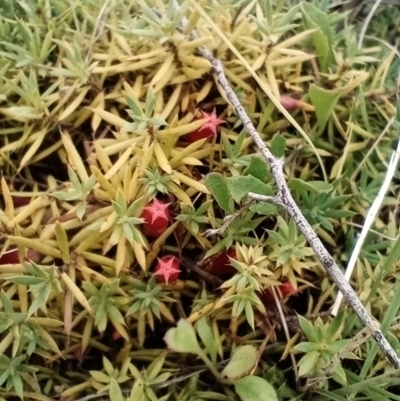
(368,222)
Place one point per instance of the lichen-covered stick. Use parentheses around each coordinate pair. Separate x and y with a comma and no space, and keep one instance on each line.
(285,199)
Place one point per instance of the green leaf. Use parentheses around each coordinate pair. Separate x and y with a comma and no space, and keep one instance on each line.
(40,299)
(322,38)
(115,392)
(335,327)
(26,280)
(157,121)
(257,168)
(69,194)
(89,184)
(206,335)
(6,304)
(308,329)
(134,106)
(324,101)
(339,375)
(118,209)
(307,347)
(18,385)
(217,185)
(150,100)
(296,184)
(238,144)
(183,338)
(240,186)
(203,208)
(278,145)
(308,362)
(74,180)
(128,232)
(242,362)
(80,210)
(263,208)
(254,388)
(137,392)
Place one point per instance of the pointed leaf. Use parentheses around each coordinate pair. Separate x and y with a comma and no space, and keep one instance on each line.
(206,335)
(115,392)
(308,362)
(322,38)
(324,102)
(311,186)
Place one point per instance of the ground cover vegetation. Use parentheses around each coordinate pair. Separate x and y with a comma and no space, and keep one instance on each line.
(132,264)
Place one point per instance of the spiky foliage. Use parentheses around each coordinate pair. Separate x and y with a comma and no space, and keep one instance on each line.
(97,103)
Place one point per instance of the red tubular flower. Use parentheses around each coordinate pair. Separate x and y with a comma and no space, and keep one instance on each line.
(167,269)
(208,129)
(156,216)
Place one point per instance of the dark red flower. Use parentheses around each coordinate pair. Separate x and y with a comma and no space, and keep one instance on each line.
(208,129)
(156,216)
(220,264)
(167,269)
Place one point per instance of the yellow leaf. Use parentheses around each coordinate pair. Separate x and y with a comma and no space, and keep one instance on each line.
(74,157)
(121,255)
(120,328)
(27,158)
(128,66)
(172,102)
(190,182)
(110,118)
(37,245)
(139,254)
(87,333)
(76,291)
(7,198)
(62,240)
(163,70)
(102,180)
(74,105)
(179,154)
(161,158)
(49,340)
(122,160)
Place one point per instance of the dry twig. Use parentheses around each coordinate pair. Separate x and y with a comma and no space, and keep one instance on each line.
(284,198)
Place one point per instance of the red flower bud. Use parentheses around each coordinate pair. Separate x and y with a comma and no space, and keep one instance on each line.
(156,216)
(290,103)
(167,269)
(207,130)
